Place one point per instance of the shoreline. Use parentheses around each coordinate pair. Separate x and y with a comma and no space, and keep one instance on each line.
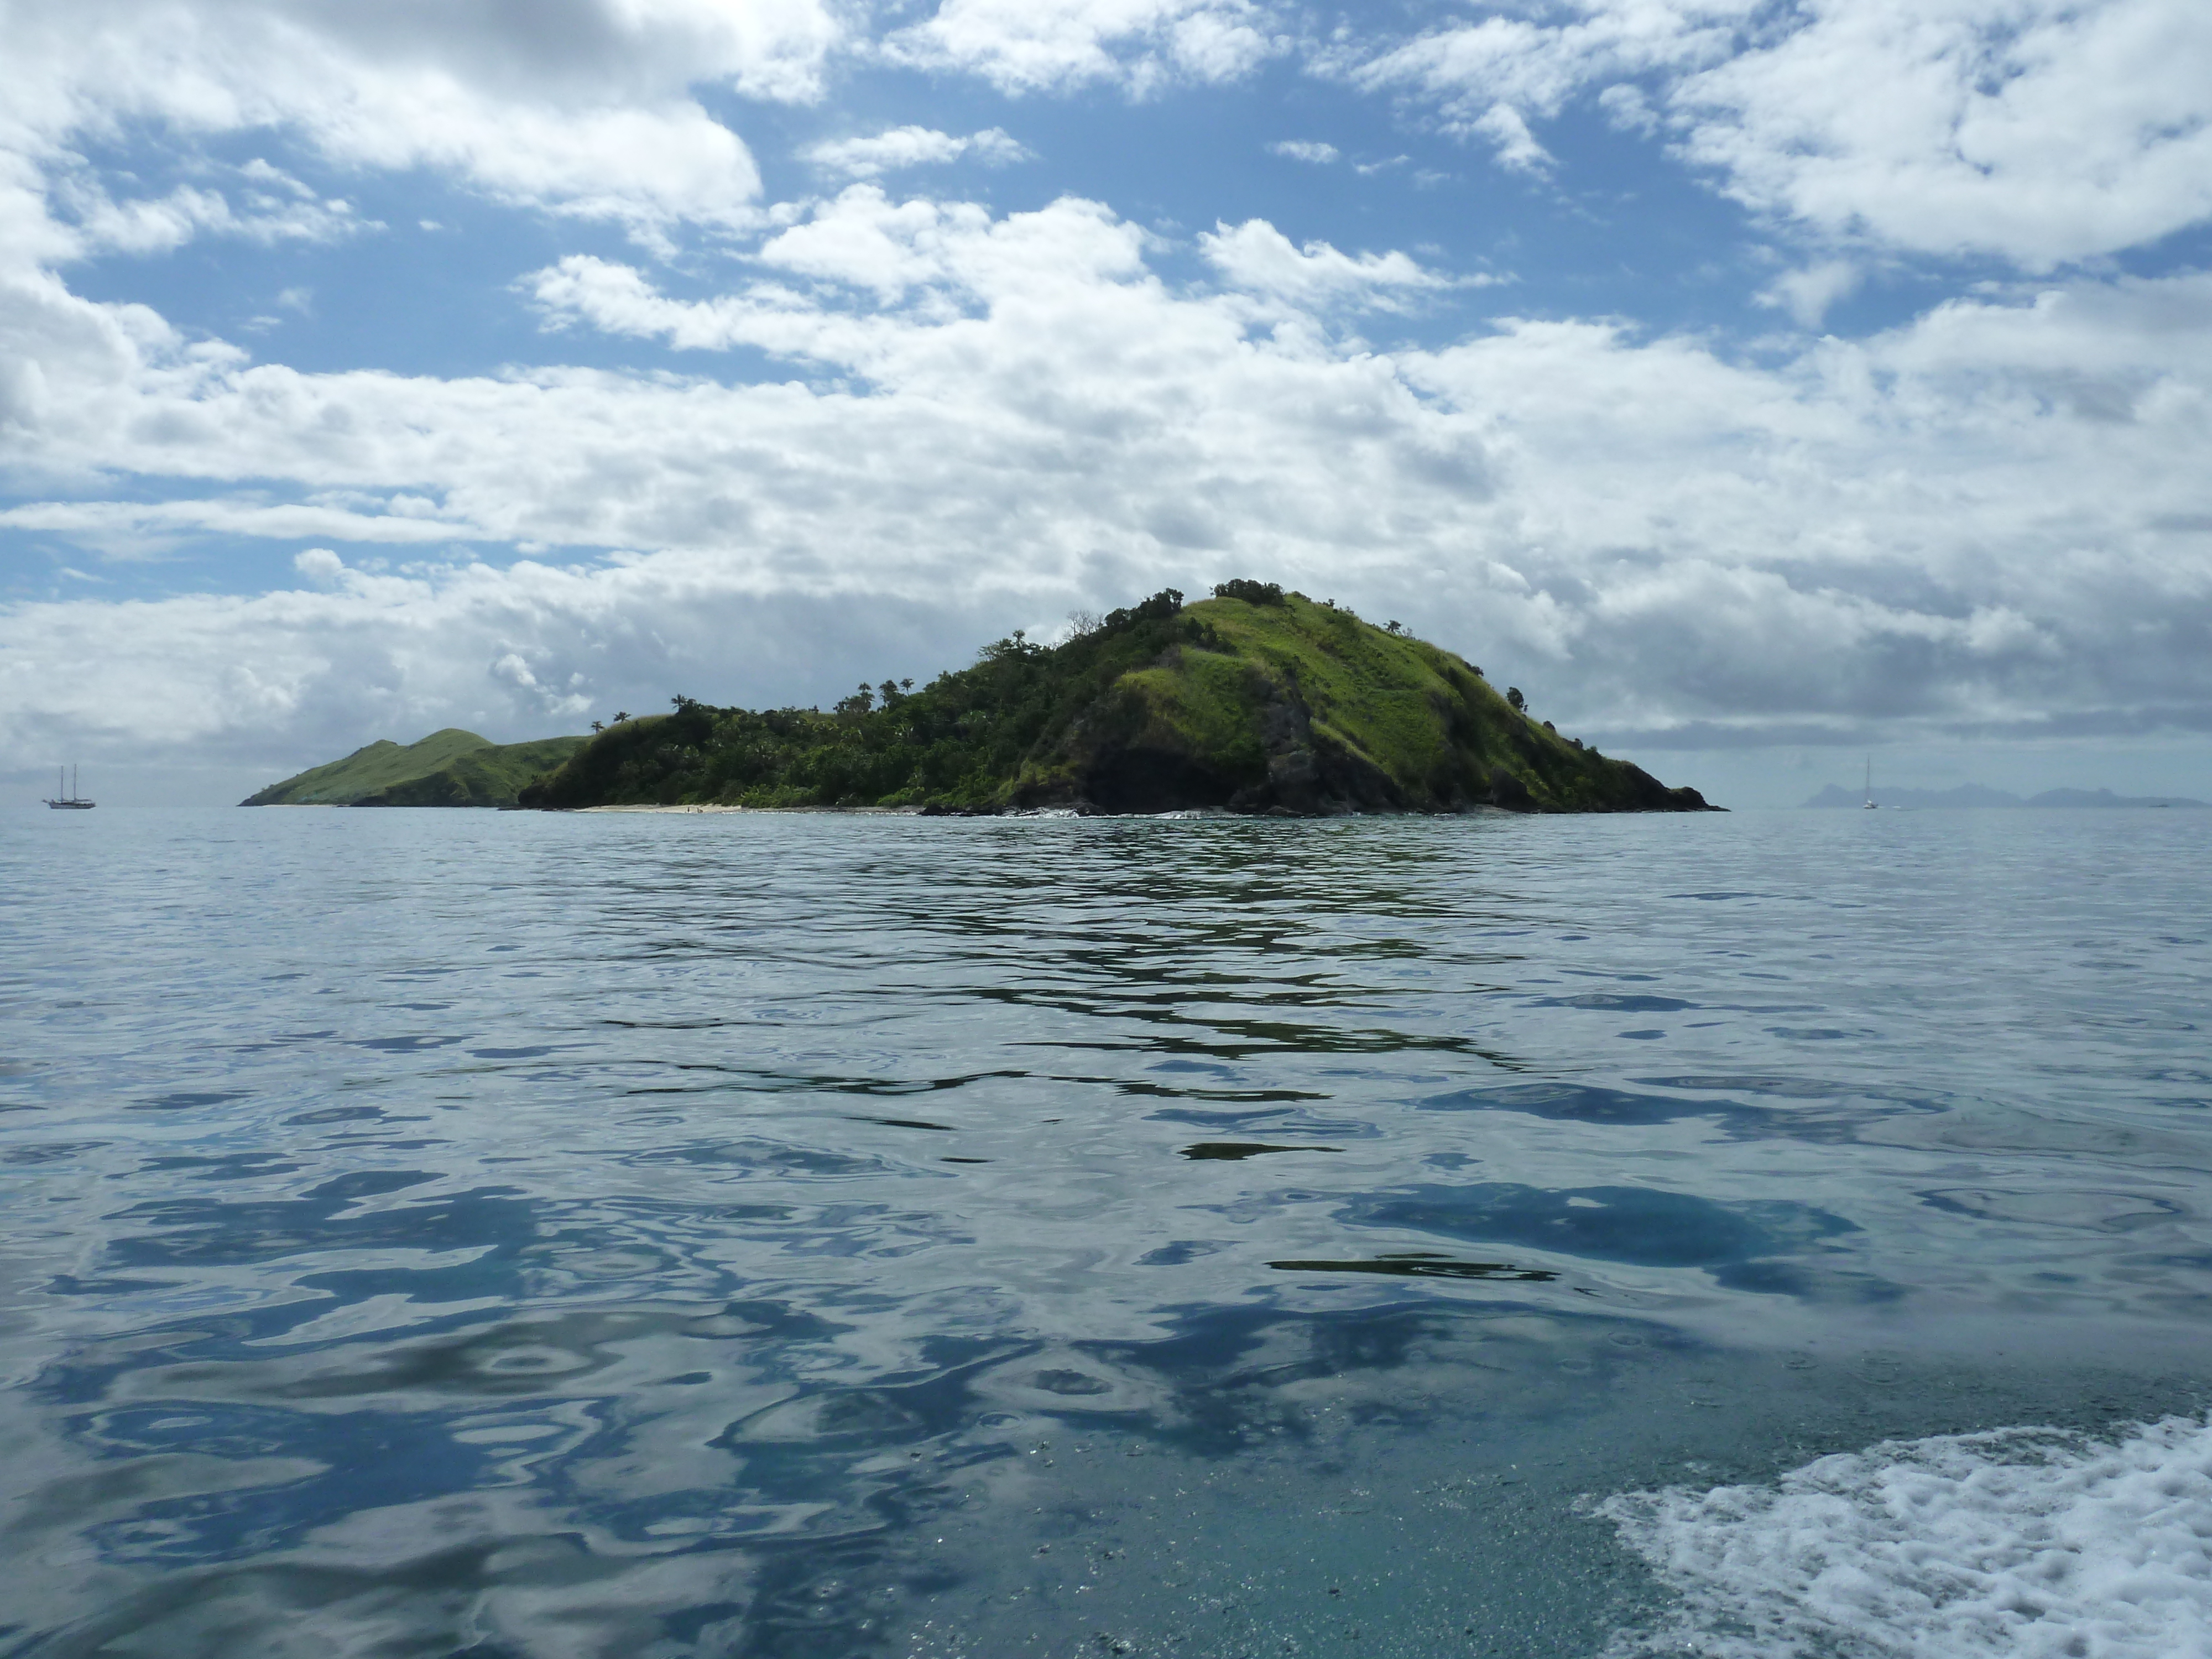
(876,812)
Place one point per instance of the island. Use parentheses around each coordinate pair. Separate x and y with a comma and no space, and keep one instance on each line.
(1254,700)
(451,768)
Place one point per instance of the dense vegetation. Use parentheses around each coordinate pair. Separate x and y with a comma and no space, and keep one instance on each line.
(451,768)
(1255,699)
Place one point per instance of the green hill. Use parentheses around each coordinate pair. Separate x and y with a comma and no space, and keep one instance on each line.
(451,768)
(1257,700)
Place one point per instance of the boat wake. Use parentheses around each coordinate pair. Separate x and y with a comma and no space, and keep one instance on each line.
(2018,1542)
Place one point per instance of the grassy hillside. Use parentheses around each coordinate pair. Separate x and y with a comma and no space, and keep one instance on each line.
(1255,699)
(451,768)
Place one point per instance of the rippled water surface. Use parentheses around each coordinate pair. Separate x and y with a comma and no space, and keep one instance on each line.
(433,1233)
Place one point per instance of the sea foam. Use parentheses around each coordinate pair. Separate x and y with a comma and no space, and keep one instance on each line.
(2021,1542)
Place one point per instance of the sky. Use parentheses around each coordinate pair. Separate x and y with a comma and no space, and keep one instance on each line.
(1760,386)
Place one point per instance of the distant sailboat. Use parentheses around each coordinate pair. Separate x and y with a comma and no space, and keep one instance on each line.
(1869,802)
(72,802)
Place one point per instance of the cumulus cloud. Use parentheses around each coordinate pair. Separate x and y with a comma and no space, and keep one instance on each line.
(1515,147)
(1988,517)
(272,207)
(1304,149)
(1994,515)
(1808,294)
(148,529)
(1040,45)
(911,147)
(1256,257)
(318,565)
(251,688)
(2041,131)
(1484,79)
(586,109)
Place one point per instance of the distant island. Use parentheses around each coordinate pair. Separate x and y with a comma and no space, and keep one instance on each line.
(451,768)
(1255,700)
(1973,795)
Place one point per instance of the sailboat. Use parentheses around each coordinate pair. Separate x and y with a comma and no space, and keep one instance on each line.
(1869,784)
(72,802)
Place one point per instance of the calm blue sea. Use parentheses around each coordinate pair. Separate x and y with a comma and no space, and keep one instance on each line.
(438,1233)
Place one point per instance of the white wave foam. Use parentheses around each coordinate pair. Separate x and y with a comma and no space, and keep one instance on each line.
(2023,1542)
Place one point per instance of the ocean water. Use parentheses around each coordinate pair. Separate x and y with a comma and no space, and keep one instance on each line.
(440,1233)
